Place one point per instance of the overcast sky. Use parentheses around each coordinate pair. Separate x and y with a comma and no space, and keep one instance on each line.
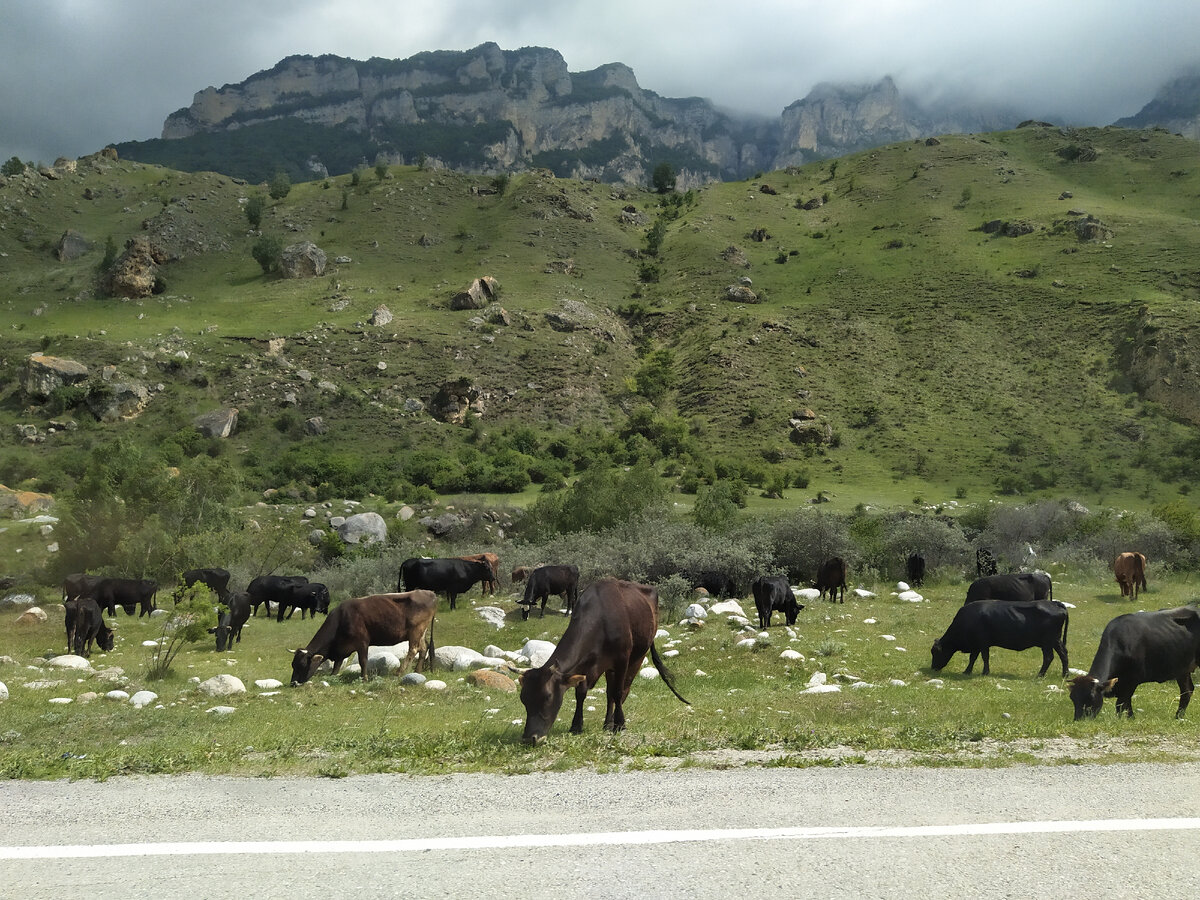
(78,74)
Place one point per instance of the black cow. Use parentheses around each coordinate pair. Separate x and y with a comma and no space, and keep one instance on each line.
(449,576)
(1163,645)
(985,563)
(772,592)
(718,584)
(310,597)
(831,577)
(270,589)
(546,580)
(126,593)
(380,619)
(79,585)
(613,627)
(1018,586)
(85,624)
(230,619)
(216,580)
(977,627)
(914,568)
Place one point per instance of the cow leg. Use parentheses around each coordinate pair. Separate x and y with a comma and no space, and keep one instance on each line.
(453,596)
(580,695)
(1061,649)
(971,662)
(1047,658)
(362,661)
(1185,694)
(987,660)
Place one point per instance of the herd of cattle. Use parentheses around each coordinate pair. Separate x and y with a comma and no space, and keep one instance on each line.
(613,624)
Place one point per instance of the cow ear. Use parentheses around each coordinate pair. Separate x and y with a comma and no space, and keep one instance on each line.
(316,659)
(1109,687)
(521,677)
(576,680)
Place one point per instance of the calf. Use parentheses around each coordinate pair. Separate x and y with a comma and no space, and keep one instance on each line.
(1019,625)
(310,597)
(452,576)
(1135,648)
(380,619)
(1020,586)
(1130,571)
(831,577)
(613,627)
(230,619)
(270,589)
(126,593)
(85,624)
(546,580)
(772,592)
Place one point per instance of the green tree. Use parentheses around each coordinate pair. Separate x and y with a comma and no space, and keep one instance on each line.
(254,210)
(280,186)
(13,167)
(266,252)
(381,168)
(717,504)
(664,178)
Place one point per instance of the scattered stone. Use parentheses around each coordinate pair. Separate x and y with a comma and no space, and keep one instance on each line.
(3,691)
(71,246)
(413,678)
(434,685)
(35,615)
(268,684)
(489,679)
(68,661)
(60,700)
(303,260)
(537,652)
(649,673)
(220,423)
(695,611)
(43,374)
(493,615)
(791,655)
(117,695)
(143,698)
(363,528)
(480,293)
(727,608)
(221,710)
(381,316)
(222,686)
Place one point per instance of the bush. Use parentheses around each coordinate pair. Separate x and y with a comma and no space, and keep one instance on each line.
(266,252)
(254,210)
(14,166)
(279,186)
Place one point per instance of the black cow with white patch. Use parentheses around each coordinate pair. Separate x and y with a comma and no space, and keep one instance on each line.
(1135,648)
(546,580)
(772,592)
(1011,625)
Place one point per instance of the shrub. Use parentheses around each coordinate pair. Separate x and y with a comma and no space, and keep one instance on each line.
(254,210)
(266,251)
(12,167)
(279,186)
(194,614)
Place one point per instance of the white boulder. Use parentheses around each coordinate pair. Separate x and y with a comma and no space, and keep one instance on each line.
(909,597)
(3,691)
(363,528)
(68,661)
(268,684)
(117,695)
(493,615)
(806,593)
(60,700)
(818,678)
(221,710)
(791,656)
(727,608)
(222,686)
(649,673)
(143,698)
(902,586)
(459,659)
(863,593)
(537,652)
(695,611)
(435,685)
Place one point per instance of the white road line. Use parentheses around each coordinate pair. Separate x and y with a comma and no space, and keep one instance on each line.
(615,838)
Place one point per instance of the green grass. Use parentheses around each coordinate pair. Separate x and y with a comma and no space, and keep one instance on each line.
(746,707)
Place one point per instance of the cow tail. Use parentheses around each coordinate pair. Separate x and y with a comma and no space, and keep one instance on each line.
(662,670)
(431,660)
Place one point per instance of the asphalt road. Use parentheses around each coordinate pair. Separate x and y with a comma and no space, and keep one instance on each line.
(854,832)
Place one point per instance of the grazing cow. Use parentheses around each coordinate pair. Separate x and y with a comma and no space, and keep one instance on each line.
(914,568)
(126,593)
(79,585)
(492,584)
(977,627)
(613,627)
(230,619)
(1130,569)
(216,580)
(985,563)
(1163,645)
(831,576)
(1018,586)
(451,576)
(772,592)
(520,573)
(310,597)
(718,584)
(270,589)
(85,624)
(381,619)
(547,580)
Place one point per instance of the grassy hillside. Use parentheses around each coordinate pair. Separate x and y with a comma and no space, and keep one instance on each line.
(939,360)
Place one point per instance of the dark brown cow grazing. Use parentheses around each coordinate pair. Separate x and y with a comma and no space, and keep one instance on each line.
(380,619)
(1130,569)
(613,627)
(493,562)
(831,576)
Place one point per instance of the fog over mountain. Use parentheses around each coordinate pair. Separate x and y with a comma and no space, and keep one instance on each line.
(77,75)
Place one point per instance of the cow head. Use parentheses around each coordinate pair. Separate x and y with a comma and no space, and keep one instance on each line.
(321,604)
(542,692)
(940,656)
(105,638)
(303,666)
(1088,693)
(791,611)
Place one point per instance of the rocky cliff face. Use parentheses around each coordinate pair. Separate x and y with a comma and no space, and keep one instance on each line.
(1176,107)
(498,110)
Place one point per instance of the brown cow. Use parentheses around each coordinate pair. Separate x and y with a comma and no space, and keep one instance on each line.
(380,619)
(520,573)
(493,563)
(831,576)
(613,627)
(1130,569)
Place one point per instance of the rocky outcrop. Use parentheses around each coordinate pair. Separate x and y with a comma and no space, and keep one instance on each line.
(220,423)
(303,260)
(43,374)
(363,528)
(135,273)
(480,293)
(455,401)
(71,246)
(23,503)
(1176,107)
(116,401)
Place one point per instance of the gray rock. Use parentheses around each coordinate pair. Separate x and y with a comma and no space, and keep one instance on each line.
(123,400)
(3,691)
(315,426)
(303,260)
(35,615)
(42,374)
(143,698)
(493,615)
(413,678)
(363,528)
(221,710)
(71,246)
(68,661)
(481,292)
(220,423)
(222,686)
(381,316)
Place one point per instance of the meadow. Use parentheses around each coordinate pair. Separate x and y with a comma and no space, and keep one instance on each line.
(748,706)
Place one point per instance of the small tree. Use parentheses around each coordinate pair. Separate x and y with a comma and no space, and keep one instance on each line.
(254,210)
(194,615)
(664,178)
(266,252)
(13,167)
(381,168)
(280,186)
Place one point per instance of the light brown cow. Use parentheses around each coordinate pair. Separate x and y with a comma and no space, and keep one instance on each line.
(493,563)
(1130,569)
(520,573)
